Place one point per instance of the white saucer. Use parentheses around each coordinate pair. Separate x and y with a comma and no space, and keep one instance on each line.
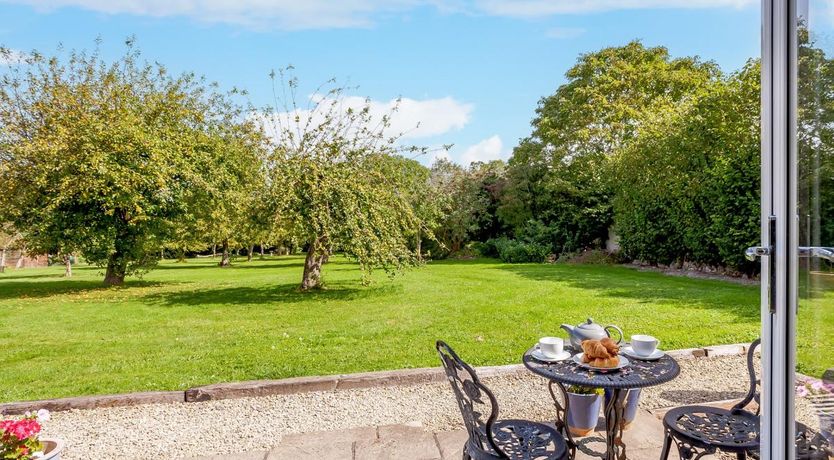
(652,357)
(539,356)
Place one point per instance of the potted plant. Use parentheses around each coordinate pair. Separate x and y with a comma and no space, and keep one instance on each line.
(632,400)
(19,439)
(583,409)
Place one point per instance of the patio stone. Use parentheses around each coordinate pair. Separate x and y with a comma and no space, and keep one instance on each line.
(325,445)
(398,442)
(451,443)
(687,353)
(390,378)
(726,350)
(256,388)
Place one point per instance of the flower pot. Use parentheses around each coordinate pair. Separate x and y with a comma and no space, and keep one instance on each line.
(632,400)
(52,449)
(583,413)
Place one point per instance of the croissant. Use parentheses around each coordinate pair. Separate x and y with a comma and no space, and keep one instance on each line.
(613,361)
(610,345)
(595,349)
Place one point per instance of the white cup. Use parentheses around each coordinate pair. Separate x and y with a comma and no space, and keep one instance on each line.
(551,347)
(644,345)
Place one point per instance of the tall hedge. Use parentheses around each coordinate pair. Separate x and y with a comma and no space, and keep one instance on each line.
(687,187)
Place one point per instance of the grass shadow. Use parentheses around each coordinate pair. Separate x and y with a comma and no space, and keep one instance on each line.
(647,287)
(280,293)
(61,286)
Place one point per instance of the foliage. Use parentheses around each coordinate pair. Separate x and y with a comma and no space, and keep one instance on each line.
(469,198)
(105,158)
(558,176)
(516,251)
(699,199)
(336,185)
(580,390)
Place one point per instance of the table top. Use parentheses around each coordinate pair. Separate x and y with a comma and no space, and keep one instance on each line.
(638,374)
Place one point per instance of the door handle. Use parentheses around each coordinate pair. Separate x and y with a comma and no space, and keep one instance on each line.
(817,251)
(754,252)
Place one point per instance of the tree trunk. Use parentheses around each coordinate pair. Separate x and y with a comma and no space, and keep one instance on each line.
(67,265)
(3,259)
(161,254)
(419,245)
(225,259)
(116,269)
(249,253)
(180,256)
(316,256)
(214,250)
(262,249)
(20,259)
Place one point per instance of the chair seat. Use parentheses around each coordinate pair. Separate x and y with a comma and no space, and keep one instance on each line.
(811,445)
(704,426)
(525,440)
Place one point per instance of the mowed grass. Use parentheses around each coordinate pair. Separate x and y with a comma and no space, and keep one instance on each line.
(187,324)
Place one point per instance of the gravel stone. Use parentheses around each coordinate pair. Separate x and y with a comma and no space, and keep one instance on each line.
(249,424)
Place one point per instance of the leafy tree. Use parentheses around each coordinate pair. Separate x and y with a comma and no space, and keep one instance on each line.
(104,158)
(462,205)
(332,182)
(687,188)
(558,175)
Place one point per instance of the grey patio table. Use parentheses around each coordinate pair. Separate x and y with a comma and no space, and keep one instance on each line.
(638,374)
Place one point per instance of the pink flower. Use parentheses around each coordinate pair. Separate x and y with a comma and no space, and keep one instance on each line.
(802,391)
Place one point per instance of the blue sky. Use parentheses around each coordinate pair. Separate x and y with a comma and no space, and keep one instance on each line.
(472,70)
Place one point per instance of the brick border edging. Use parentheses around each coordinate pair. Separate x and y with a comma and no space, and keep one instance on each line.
(256,388)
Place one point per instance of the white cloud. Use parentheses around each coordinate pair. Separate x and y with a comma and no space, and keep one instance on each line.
(564,32)
(488,149)
(11,57)
(322,14)
(413,118)
(538,8)
(268,14)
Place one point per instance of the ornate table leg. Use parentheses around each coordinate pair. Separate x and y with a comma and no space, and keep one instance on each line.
(561,422)
(614,410)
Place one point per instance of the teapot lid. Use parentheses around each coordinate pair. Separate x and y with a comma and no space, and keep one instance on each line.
(590,325)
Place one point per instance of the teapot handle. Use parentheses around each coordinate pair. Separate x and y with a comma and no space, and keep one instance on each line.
(619,331)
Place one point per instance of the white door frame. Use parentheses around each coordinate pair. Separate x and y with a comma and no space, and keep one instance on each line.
(779,227)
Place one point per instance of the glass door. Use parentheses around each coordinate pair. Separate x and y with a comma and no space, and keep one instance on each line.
(797,229)
(812,318)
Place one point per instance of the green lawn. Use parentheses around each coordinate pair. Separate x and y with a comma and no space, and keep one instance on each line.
(192,323)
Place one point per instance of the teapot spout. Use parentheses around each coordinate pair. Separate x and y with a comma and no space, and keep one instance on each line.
(568,328)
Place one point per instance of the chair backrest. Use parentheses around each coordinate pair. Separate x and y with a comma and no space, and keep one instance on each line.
(753,392)
(477,404)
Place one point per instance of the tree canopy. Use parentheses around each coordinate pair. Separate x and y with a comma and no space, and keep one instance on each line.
(106,158)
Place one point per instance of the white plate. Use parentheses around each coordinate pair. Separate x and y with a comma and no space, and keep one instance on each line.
(652,357)
(578,360)
(539,356)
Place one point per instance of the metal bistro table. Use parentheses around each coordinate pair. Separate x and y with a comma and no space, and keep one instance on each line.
(639,374)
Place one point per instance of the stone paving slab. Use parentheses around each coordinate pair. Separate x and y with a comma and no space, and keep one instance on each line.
(329,445)
(398,442)
(643,439)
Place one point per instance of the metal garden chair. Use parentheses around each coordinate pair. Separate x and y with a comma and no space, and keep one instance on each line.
(702,430)
(489,438)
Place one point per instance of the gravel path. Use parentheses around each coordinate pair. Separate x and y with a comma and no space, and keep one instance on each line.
(227,426)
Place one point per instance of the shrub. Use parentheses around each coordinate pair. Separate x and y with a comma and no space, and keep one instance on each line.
(515,251)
